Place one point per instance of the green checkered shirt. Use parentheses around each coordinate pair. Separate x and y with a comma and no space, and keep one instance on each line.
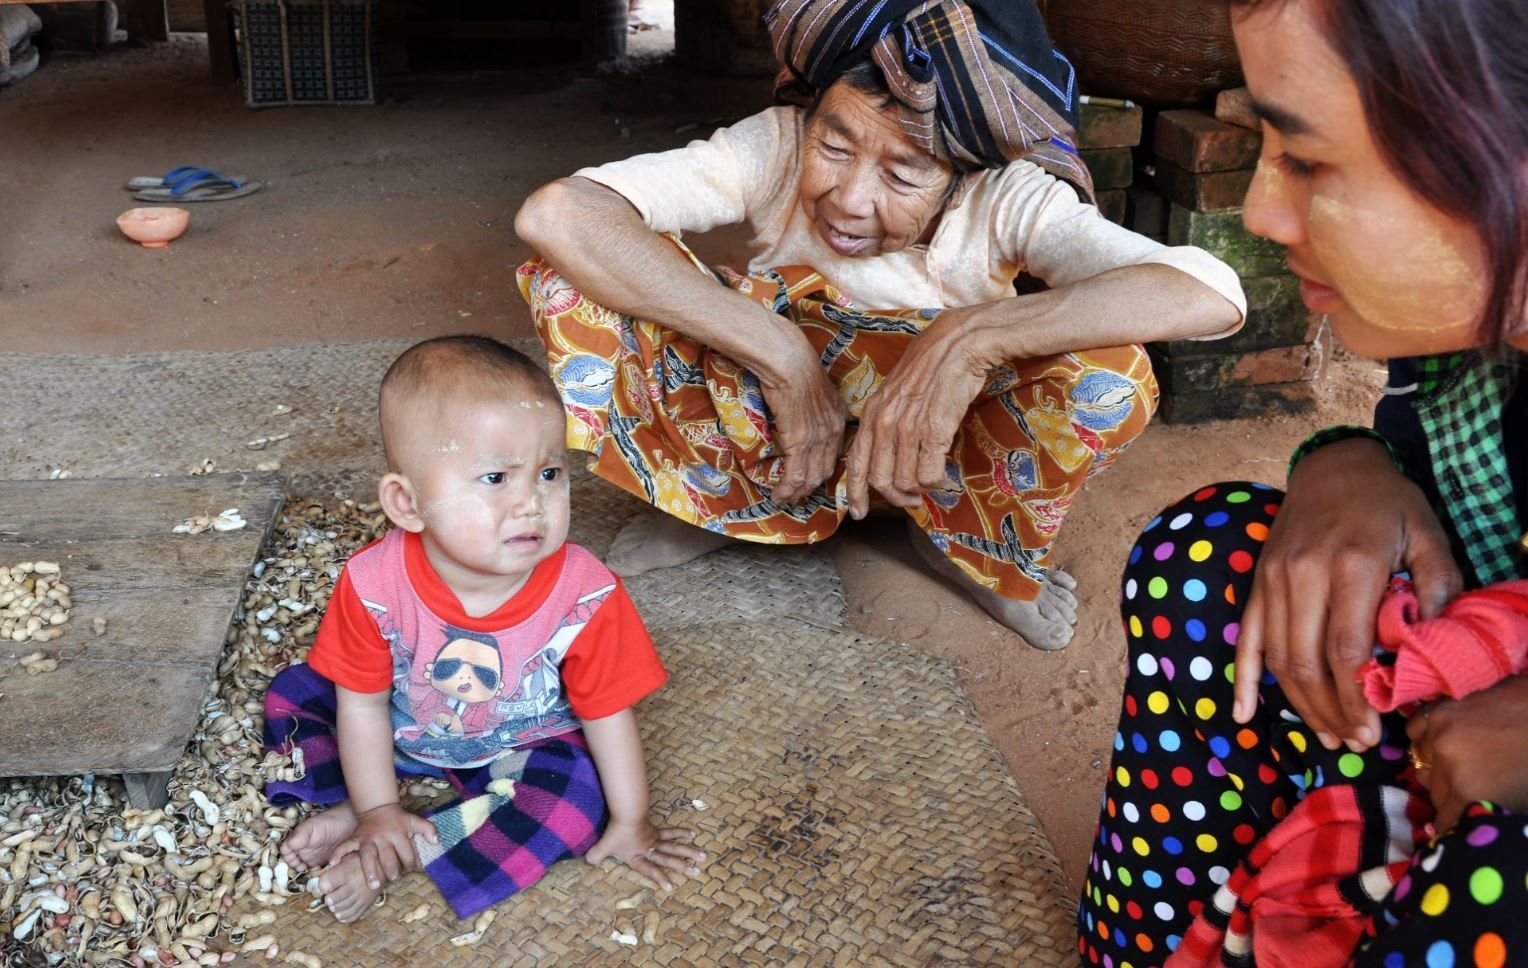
(1459,401)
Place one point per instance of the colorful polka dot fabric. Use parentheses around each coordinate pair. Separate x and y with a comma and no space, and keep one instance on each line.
(1190,790)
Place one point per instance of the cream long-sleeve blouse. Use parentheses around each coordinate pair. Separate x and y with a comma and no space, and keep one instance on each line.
(999,223)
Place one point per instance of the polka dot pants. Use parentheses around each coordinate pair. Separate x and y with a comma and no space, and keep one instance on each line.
(1190,790)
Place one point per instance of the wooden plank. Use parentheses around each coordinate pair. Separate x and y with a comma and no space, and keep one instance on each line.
(117,564)
(136,633)
(146,19)
(33,511)
(81,718)
(220,46)
(128,701)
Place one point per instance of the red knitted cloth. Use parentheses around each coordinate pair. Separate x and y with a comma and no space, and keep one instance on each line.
(1479,640)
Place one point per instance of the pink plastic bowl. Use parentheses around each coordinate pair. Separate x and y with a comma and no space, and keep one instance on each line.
(153,228)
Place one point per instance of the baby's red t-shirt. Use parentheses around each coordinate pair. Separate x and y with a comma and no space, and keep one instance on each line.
(372,639)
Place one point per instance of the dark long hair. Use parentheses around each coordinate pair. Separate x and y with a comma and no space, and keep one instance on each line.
(1444,85)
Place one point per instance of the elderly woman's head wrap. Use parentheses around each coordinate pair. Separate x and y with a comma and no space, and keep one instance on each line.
(978,82)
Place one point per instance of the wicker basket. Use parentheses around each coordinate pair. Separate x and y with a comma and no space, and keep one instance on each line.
(308,51)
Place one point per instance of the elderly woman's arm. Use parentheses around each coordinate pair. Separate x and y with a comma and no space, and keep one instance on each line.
(597,239)
(1131,304)
(909,423)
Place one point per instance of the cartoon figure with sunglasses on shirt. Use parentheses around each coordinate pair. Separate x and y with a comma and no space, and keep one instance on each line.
(465,676)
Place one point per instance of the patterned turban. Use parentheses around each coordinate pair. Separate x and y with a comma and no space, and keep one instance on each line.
(978,82)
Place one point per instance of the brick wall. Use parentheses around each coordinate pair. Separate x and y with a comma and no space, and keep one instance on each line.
(1201,168)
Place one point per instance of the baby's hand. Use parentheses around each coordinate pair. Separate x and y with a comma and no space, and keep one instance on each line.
(384,839)
(648,850)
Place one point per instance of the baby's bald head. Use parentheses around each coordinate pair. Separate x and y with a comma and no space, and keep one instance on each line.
(428,384)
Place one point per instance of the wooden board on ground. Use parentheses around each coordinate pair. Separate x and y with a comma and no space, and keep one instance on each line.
(127,701)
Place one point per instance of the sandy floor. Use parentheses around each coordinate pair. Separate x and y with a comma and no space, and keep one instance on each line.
(396,220)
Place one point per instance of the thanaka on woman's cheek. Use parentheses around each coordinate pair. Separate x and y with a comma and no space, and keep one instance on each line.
(1385,301)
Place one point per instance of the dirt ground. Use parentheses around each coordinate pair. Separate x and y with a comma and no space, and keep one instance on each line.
(397,220)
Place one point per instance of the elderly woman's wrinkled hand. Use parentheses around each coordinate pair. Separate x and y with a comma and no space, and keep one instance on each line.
(1349,522)
(809,417)
(910,421)
(1472,749)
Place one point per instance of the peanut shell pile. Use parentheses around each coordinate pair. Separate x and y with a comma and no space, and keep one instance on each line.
(86,879)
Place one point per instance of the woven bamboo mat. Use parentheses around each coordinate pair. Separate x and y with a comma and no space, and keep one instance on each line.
(858,815)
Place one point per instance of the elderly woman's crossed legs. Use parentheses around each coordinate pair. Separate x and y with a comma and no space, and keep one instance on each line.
(687,430)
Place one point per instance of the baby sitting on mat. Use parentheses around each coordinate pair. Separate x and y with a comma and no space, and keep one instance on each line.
(473,643)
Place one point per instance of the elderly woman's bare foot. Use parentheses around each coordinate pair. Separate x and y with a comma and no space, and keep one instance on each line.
(1045,623)
(345,891)
(656,540)
(314,840)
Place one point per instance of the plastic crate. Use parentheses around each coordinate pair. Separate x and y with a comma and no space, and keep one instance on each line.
(308,51)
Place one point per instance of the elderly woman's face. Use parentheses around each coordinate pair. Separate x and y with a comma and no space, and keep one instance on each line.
(1396,276)
(864,184)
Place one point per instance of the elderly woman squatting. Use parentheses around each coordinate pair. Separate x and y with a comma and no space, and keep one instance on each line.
(980,411)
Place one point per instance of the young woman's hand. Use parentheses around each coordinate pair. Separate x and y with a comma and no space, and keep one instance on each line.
(1350,521)
(384,839)
(1472,749)
(648,850)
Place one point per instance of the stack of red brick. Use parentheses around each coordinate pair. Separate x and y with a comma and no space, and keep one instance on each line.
(1109,132)
(1202,169)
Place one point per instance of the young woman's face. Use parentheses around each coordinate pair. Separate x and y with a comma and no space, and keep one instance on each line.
(1395,276)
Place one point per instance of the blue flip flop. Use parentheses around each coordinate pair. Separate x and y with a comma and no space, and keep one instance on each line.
(192,184)
(174,177)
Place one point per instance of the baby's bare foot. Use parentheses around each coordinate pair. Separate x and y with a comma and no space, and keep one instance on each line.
(313,842)
(345,891)
(655,540)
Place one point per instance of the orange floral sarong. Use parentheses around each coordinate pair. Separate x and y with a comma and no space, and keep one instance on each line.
(687,430)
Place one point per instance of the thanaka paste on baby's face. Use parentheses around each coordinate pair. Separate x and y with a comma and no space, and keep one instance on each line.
(461,506)
(489,485)
(422,430)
